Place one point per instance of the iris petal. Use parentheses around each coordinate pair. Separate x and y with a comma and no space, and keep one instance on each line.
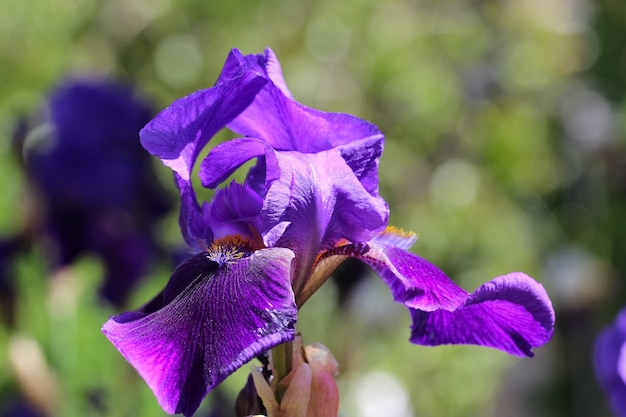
(336,185)
(210,320)
(235,210)
(226,157)
(268,65)
(511,313)
(413,281)
(608,354)
(363,156)
(178,133)
(322,202)
(286,124)
(193,225)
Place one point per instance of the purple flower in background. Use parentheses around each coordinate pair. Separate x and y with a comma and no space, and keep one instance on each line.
(95,183)
(609,356)
(265,246)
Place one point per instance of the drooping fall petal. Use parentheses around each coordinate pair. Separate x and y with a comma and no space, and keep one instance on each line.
(512,313)
(211,319)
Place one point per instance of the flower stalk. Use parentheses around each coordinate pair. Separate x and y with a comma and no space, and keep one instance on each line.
(281,362)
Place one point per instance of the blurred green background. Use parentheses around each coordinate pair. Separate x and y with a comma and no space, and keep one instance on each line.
(505,151)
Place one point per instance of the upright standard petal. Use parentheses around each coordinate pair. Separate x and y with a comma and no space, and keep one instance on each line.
(325,199)
(292,144)
(363,156)
(217,313)
(320,201)
(226,157)
(285,124)
(609,359)
(178,133)
(314,200)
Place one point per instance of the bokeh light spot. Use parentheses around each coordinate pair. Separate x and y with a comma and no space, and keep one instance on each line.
(378,394)
(328,39)
(587,117)
(178,60)
(454,183)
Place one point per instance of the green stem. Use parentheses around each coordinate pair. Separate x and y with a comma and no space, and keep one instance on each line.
(282,359)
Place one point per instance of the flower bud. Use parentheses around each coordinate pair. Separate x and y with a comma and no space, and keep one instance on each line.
(309,390)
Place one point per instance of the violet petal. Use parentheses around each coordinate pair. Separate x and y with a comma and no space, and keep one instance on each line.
(512,313)
(321,201)
(286,124)
(363,156)
(235,210)
(191,220)
(413,281)
(178,133)
(210,320)
(609,356)
(226,157)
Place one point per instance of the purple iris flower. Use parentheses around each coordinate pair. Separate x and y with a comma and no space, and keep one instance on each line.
(265,246)
(609,357)
(96,186)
